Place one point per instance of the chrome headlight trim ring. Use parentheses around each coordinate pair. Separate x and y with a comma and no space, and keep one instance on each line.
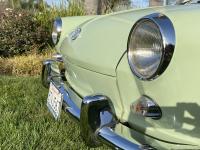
(167,32)
(57,29)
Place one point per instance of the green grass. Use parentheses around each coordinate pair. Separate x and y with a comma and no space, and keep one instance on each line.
(25,122)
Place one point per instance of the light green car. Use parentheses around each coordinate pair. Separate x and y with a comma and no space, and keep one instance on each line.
(131,78)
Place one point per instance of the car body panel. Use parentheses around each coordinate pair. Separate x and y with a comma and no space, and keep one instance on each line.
(83,53)
(176,91)
(179,124)
(92,58)
(87,83)
(138,137)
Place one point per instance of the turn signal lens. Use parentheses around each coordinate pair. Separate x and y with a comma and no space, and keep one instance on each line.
(146,107)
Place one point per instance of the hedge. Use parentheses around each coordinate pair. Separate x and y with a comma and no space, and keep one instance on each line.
(20,33)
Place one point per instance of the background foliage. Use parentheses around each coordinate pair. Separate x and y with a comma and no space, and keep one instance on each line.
(20,33)
(46,16)
(24,31)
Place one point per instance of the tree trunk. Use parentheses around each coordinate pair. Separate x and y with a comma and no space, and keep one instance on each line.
(103,6)
(92,6)
(156,2)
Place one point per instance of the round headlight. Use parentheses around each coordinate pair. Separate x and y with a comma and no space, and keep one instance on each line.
(150,46)
(57,28)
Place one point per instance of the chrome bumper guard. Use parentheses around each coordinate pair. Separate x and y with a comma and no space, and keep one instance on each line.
(97,122)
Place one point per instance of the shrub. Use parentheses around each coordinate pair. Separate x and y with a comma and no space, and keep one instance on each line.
(25,65)
(21,33)
(25,31)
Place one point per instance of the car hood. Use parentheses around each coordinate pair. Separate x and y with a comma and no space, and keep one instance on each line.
(99,46)
(103,39)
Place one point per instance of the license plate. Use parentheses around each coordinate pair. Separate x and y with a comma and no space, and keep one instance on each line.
(54,101)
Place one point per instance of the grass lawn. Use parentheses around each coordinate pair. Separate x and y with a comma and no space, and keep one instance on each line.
(25,122)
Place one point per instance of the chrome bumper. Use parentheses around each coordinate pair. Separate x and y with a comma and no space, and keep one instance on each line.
(97,121)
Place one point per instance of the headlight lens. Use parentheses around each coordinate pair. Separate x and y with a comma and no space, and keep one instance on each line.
(57,28)
(147,50)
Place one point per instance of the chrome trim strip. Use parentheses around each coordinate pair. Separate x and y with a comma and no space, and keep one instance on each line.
(103,130)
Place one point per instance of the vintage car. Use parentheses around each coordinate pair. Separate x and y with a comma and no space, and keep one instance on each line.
(131,78)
